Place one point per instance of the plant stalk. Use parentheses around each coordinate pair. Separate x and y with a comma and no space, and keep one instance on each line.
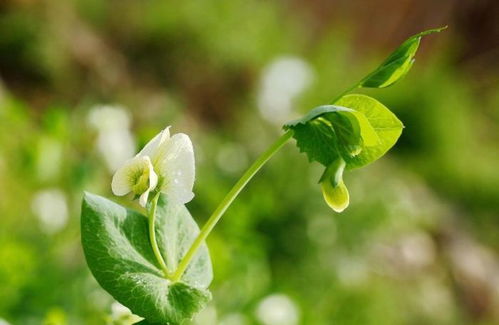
(226,202)
(152,236)
(233,193)
(355,86)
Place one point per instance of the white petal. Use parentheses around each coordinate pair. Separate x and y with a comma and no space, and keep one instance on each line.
(153,177)
(177,168)
(121,183)
(152,146)
(179,194)
(143,198)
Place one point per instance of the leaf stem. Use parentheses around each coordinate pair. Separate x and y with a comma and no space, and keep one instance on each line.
(357,85)
(226,202)
(152,236)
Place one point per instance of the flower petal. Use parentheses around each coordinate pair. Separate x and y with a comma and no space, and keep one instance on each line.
(150,149)
(122,183)
(153,177)
(177,168)
(143,198)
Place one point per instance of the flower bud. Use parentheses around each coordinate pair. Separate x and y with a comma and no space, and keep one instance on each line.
(333,188)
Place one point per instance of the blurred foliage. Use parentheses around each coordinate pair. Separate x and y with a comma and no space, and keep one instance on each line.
(419,243)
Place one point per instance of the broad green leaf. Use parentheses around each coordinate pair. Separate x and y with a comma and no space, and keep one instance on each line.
(316,136)
(386,125)
(116,245)
(367,132)
(318,141)
(397,64)
(347,130)
(329,132)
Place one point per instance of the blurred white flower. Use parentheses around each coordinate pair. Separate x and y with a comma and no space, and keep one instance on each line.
(277,309)
(114,142)
(3,322)
(108,118)
(51,208)
(417,250)
(234,319)
(433,298)
(122,315)
(283,80)
(351,271)
(232,158)
(322,230)
(207,316)
(166,163)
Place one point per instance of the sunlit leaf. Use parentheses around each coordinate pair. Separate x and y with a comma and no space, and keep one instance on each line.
(397,64)
(116,245)
(386,125)
(330,132)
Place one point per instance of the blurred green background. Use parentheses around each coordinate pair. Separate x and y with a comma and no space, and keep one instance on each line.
(85,83)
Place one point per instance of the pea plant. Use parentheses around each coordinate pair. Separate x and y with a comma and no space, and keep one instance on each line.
(156,261)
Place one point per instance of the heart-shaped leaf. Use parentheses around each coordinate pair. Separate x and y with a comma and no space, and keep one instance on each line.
(386,125)
(116,245)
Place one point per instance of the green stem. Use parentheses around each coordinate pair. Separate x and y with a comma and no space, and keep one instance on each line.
(226,202)
(152,236)
(357,85)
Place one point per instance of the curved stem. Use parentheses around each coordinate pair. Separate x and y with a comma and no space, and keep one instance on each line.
(226,202)
(357,85)
(152,236)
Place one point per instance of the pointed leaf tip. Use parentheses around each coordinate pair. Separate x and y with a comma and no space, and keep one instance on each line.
(398,63)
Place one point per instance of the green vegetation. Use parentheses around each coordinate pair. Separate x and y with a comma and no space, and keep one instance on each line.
(164,292)
(418,243)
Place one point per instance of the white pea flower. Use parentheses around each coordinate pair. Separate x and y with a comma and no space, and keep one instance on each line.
(165,164)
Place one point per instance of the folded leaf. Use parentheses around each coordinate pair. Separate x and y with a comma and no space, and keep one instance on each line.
(397,64)
(386,125)
(330,132)
(116,245)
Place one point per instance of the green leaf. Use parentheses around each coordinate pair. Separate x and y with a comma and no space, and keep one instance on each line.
(367,132)
(398,64)
(386,125)
(315,135)
(329,132)
(116,245)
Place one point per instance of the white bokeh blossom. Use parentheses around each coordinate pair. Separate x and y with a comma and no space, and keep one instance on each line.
(51,207)
(277,309)
(121,315)
(165,164)
(115,141)
(283,80)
